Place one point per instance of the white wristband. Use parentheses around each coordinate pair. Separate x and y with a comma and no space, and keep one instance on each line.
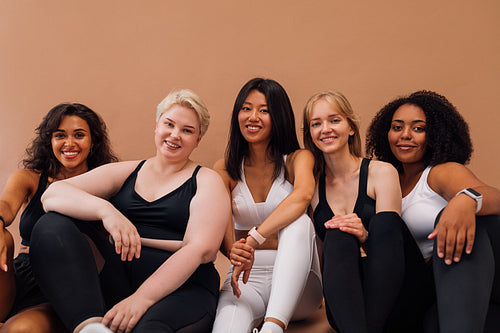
(474,195)
(256,235)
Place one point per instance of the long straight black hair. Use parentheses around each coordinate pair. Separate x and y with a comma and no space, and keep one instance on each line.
(283,135)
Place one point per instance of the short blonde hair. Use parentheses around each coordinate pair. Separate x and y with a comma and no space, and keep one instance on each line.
(338,101)
(187,99)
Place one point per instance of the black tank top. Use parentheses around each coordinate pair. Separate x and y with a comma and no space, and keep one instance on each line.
(163,218)
(364,206)
(33,211)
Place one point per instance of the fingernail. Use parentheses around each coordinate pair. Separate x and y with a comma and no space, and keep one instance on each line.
(5,268)
(457,259)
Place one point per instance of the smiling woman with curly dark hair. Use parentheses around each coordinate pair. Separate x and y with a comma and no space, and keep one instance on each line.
(445,206)
(70,140)
(39,154)
(448,138)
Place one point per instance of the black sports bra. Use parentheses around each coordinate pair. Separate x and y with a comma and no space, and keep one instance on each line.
(364,206)
(163,218)
(33,211)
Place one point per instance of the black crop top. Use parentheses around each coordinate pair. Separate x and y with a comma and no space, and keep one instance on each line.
(163,218)
(364,206)
(33,211)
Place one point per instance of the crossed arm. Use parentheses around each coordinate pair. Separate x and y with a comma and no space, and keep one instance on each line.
(85,197)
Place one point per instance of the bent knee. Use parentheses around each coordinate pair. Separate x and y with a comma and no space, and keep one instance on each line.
(49,227)
(300,229)
(386,222)
(29,323)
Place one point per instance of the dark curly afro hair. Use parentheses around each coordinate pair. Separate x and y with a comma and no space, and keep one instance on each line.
(447,133)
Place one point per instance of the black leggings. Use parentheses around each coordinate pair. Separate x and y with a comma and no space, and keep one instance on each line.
(360,293)
(64,265)
(461,297)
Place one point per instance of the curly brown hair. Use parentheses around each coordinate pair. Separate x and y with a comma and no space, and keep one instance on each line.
(447,133)
(39,155)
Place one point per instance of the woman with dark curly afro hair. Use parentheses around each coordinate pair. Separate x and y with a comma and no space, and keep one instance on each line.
(453,216)
(70,140)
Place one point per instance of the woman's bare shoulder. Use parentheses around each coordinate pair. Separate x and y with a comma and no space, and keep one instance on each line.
(220,168)
(26,178)
(382,169)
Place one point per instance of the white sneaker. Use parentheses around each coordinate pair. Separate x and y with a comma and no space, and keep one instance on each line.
(95,328)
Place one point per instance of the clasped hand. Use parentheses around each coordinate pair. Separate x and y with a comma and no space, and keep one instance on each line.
(242,257)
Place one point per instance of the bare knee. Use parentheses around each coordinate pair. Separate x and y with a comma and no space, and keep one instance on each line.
(40,319)
(19,326)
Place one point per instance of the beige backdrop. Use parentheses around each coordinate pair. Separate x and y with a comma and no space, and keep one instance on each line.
(122,57)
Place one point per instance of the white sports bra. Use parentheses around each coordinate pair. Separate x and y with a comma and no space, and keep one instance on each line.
(246,212)
(420,209)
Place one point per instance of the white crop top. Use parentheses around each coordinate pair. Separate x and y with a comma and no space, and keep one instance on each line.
(420,209)
(246,212)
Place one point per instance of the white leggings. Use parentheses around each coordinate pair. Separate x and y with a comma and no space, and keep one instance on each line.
(284,284)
